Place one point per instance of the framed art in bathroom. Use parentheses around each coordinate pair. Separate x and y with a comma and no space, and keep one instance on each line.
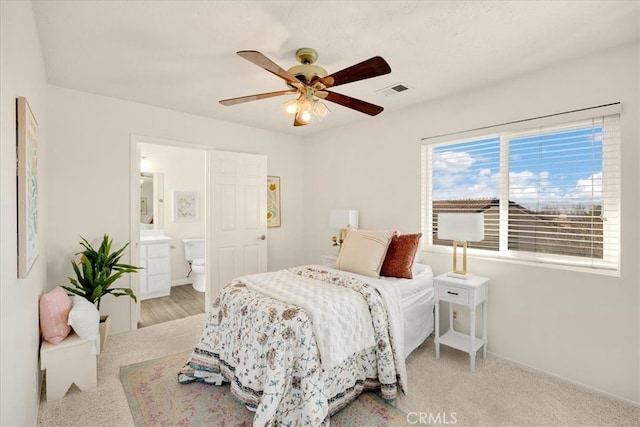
(143,206)
(27,152)
(186,206)
(274,214)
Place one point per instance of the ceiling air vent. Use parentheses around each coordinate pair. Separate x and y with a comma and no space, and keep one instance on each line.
(394,89)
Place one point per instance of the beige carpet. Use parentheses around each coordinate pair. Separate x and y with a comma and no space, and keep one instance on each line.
(441,391)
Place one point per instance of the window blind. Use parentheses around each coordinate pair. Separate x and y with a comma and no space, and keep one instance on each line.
(466,179)
(549,192)
(560,194)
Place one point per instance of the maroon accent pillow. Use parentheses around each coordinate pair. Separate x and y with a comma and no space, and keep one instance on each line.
(400,255)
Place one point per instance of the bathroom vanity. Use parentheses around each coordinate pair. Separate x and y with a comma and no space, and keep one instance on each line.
(155,258)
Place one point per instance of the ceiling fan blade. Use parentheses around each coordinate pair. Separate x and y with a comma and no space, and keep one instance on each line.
(372,67)
(262,61)
(353,103)
(240,100)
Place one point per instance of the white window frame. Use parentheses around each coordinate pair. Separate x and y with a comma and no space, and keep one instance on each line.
(610,263)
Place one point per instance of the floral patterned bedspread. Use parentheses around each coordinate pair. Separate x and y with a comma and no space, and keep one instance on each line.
(266,349)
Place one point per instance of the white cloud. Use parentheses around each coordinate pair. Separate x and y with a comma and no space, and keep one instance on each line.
(455,177)
(452,161)
(459,174)
(587,188)
(535,191)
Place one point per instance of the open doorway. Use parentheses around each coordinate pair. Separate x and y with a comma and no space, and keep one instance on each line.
(235,237)
(169,187)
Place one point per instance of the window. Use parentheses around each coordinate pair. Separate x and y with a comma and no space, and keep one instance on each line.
(549,193)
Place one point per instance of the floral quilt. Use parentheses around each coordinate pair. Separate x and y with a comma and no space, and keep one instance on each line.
(266,348)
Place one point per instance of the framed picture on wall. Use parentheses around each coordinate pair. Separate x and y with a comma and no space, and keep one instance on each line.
(143,206)
(27,151)
(273,202)
(186,206)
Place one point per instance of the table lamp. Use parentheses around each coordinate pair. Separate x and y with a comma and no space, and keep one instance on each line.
(342,220)
(461,228)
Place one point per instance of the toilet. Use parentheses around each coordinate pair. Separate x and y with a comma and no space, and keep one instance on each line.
(194,252)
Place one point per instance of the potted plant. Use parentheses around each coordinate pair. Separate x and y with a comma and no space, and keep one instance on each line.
(96,271)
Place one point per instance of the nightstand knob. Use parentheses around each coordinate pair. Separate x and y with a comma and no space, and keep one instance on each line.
(452,293)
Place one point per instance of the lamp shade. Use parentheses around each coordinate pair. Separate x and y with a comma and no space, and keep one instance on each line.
(343,218)
(467,227)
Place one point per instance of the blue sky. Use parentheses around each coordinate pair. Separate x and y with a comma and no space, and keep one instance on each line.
(540,175)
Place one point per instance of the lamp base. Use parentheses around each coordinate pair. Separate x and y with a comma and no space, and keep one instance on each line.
(459,275)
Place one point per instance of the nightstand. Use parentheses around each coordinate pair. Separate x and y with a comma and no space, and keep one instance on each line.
(470,293)
(329,261)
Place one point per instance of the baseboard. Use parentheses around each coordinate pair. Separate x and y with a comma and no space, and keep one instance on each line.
(567,380)
(180,282)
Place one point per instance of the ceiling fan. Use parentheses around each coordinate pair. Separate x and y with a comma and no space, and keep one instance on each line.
(311,82)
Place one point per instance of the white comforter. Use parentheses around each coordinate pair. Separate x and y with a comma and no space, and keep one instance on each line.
(332,308)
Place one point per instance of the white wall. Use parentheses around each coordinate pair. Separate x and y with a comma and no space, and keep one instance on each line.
(579,326)
(88,183)
(22,73)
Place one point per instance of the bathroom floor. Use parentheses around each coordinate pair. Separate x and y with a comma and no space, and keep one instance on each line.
(184,301)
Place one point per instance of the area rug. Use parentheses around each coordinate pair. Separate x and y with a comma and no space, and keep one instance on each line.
(157,399)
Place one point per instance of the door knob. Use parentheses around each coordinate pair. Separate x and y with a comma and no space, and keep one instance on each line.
(262,237)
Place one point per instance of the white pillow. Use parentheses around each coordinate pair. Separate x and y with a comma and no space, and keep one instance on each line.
(418,257)
(418,270)
(85,320)
(363,252)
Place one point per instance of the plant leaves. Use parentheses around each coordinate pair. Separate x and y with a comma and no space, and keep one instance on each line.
(99,269)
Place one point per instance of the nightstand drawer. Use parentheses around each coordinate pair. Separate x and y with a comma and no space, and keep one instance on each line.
(454,295)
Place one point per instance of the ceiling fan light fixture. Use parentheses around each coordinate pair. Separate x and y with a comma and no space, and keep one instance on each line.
(304,115)
(320,110)
(305,109)
(290,107)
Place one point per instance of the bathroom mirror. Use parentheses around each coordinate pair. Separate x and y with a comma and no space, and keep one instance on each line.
(151,200)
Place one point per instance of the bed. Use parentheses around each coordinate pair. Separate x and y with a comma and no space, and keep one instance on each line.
(417,302)
(273,337)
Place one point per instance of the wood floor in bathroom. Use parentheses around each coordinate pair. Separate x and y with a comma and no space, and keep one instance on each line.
(184,301)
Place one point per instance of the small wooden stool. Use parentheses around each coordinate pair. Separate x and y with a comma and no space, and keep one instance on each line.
(66,363)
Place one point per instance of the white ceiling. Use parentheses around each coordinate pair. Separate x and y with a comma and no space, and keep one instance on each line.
(180,55)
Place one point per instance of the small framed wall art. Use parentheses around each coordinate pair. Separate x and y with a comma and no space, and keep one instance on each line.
(27,151)
(186,206)
(273,202)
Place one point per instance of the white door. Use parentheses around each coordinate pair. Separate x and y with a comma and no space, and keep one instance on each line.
(237,223)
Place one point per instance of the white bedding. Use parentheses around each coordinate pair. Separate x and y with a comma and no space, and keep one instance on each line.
(332,309)
(422,280)
(417,311)
(416,301)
